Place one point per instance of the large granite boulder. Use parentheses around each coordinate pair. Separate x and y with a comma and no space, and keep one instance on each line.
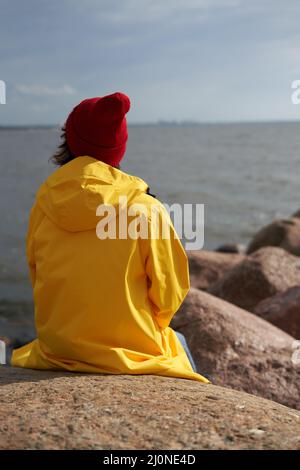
(207,267)
(56,410)
(283,310)
(235,348)
(266,272)
(284,233)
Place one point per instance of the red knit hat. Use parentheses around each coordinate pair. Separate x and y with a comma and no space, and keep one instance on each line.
(97,127)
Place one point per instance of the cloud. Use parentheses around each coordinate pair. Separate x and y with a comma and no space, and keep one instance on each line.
(45,90)
(148,11)
(183,59)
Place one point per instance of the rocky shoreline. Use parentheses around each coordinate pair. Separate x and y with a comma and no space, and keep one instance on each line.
(241,320)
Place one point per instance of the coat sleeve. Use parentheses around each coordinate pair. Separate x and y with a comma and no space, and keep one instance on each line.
(167,269)
(35,218)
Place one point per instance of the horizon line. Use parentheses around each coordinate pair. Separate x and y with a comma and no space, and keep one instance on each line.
(163,122)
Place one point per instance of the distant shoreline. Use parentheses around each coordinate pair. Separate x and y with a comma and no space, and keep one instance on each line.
(160,123)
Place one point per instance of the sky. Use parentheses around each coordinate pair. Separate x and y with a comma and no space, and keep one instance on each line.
(199,60)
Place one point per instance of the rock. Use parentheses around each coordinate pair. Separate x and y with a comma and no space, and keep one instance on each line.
(231,248)
(266,272)
(237,349)
(56,410)
(284,233)
(207,267)
(283,310)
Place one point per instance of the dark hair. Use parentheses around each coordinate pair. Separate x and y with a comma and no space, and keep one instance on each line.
(63,154)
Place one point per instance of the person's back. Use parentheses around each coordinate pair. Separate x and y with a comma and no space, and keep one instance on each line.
(103,298)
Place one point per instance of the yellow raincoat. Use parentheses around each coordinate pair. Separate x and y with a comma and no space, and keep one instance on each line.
(102,305)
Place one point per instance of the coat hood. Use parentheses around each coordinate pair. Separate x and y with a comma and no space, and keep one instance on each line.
(71,195)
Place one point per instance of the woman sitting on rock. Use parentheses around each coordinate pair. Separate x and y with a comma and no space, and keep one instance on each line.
(103,304)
